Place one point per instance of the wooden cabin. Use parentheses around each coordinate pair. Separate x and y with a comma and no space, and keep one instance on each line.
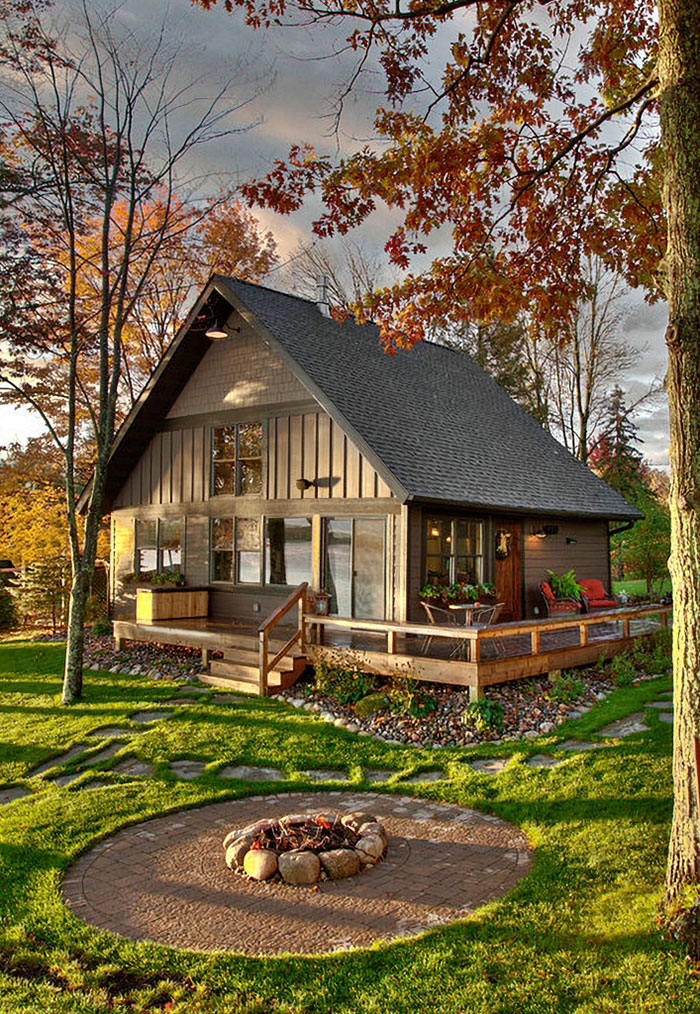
(292,449)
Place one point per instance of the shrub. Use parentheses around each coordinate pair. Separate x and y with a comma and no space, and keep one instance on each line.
(622,670)
(339,675)
(407,697)
(8,610)
(102,627)
(566,689)
(371,704)
(484,715)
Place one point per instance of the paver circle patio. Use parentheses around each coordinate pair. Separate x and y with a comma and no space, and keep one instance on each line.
(166,881)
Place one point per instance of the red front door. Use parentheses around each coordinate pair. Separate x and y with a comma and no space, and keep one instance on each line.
(507,570)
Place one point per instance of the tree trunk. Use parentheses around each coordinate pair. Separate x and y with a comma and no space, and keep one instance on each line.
(73,670)
(679,90)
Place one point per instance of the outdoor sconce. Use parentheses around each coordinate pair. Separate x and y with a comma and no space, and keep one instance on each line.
(539,533)
(503,538)
(544,530)
(303,484)
(570,541)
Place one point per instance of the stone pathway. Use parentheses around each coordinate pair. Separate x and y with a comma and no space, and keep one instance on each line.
(103,755)
(491,766)
(379,775)
(187,769)
(577,744)
(64,758)
(110,731)
(166,881)
(146,717)
(319,775)
(541,760)
(249,773)
(133,767)
(627,726)
(9,795)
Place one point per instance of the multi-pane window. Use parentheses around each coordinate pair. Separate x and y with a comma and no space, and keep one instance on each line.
(158,546)
(453,551)
(237,459)
(287,550)
(235,550)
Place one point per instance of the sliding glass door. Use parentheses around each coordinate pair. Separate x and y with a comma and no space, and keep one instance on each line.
(354,566)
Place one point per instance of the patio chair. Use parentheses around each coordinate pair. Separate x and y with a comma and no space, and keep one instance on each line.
(594,596)
(443,617)
(488,616)
(555,607)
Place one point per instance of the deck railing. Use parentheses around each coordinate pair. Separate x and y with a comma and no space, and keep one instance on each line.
(297,598)
(521,648)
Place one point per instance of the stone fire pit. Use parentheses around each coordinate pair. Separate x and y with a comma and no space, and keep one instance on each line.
(303,848)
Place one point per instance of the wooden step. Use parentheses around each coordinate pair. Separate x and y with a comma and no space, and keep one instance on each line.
(249,657)
(238,675)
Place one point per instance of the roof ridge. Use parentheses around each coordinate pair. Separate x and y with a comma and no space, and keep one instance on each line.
(266,288)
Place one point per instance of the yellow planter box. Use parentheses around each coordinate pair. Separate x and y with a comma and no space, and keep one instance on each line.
(155,604)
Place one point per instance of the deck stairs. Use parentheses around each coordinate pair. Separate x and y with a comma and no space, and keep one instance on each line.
(239,669)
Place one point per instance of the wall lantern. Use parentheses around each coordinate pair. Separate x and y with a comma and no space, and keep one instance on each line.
(503,537)
(543,531)
(216,334)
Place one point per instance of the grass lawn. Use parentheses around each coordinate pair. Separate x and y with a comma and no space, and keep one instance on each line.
(578,934)
(639,587)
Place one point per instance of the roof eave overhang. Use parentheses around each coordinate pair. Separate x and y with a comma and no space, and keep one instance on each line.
(529,512)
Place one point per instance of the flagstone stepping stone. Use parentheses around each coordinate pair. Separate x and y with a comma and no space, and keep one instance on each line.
(321,775)
(541,760)
(626,726)
(133,767)
(63,780)
(491,766)
(375,775)
(180,701)
(63,758)
(424,776)
(577,744)
(661,705)
(666,716)
(103,755)
(107,731)
(144,717)
(9,795)
(187,769)
(225,699)
(193,691)
(252,774)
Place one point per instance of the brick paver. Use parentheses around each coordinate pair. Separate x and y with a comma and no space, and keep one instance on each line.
(166,880)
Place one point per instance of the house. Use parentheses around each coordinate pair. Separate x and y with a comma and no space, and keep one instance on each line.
(293,449)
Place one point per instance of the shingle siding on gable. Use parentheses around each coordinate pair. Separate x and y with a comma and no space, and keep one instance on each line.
(237,373)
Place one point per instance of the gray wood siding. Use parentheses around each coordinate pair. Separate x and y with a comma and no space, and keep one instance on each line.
(175,467)
(588,555)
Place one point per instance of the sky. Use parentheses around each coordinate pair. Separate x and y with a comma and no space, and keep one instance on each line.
(289,93)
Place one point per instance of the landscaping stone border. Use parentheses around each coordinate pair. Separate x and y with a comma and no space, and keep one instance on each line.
(166,880)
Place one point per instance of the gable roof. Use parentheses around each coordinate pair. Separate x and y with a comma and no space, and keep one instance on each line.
(433,423)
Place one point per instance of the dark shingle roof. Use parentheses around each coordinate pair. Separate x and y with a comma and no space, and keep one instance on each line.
(438,423)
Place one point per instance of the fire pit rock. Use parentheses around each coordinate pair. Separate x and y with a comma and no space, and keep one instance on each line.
(303,848)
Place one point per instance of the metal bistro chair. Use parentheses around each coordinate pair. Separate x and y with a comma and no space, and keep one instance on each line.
(443,617)
(488,616)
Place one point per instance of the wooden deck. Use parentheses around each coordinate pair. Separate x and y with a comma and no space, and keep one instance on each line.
(473,657)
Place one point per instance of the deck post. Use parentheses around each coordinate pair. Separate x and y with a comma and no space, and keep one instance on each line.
(391,642)
(476,693)
(119,643)
(583,634)
(263,663)
(302,623)
(205,656)
(626,628)
(535,641)
(663,617)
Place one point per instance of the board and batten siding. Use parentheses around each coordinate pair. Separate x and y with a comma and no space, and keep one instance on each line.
(586,552)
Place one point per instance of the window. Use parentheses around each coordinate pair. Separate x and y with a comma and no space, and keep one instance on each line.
(235,550)
(453,551)
(287,550)
(158,546)
(237,460)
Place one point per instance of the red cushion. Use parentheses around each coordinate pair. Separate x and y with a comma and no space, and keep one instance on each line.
(547,592)
(602,604)
(593,588)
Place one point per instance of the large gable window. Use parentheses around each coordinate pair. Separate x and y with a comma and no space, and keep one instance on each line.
(237,459)
(453,551)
